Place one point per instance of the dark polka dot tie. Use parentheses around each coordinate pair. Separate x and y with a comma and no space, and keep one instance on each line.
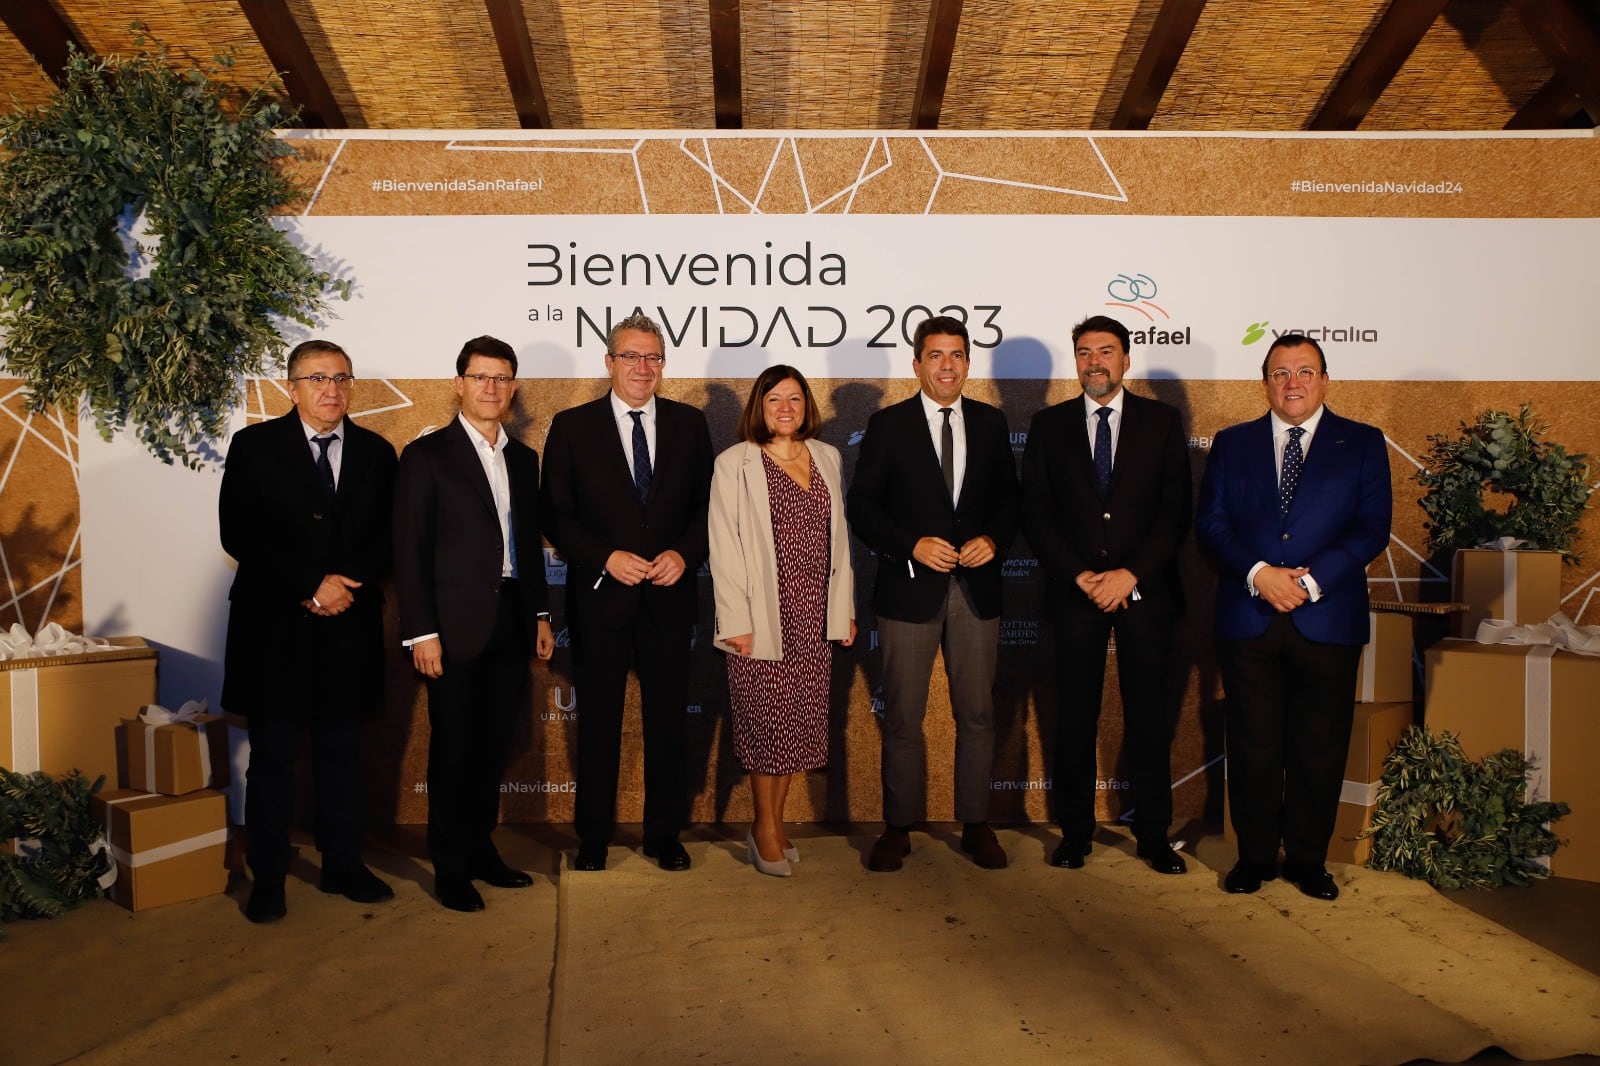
(1294,460)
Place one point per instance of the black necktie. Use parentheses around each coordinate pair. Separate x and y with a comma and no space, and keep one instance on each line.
(1294,460)
(641,457)
(1102,450)
(947,454)
(324,467)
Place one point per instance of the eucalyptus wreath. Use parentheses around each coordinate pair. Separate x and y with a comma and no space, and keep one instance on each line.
(66,867)
(164,353)
(1506,454)
(1456,822)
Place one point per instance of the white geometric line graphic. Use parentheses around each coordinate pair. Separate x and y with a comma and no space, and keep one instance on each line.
(1127,815)
(324,179)
(1120,197)
(29,428)
(766,179)
(535,149)
(719,183)
(259,409)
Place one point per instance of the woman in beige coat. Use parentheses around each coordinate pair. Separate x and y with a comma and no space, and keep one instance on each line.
(780,566)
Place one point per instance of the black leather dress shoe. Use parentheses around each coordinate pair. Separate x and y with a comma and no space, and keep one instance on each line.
(1069,854)
(889,853)
(267,903)
(495,872)
(1161,857)
(1314,881)
(590,857)
(1246,876)
(355,882)
(668,854)
(457,893)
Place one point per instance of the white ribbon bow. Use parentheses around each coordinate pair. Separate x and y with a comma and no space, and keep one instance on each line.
(156,715)
(1559,632)
(17,643)
(1508,544)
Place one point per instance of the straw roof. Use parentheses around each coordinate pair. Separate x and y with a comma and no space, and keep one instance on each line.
(863,64)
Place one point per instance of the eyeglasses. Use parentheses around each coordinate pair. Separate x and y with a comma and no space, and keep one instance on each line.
(483,380)
(1304,376)
(632,358)
(341,381)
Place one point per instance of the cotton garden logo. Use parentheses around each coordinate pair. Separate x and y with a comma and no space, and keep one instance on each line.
(1254,332)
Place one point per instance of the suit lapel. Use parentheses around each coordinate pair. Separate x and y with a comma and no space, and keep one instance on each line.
(464,455)
(296,455)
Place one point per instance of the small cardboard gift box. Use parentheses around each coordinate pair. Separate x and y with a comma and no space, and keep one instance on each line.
(60,713)
(1518,586)
(173,754)
(1385,672)
(167,848)
(1376,729)
(1539,701)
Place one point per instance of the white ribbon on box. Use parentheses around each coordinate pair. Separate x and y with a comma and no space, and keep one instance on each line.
(1369,663)
(18,643)
(149,856)
(1508,547)
(154,716)
(1560,633)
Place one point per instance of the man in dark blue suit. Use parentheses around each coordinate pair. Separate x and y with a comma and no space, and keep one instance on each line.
(1106,494)
(304,510)
(1293,507)
(935,495)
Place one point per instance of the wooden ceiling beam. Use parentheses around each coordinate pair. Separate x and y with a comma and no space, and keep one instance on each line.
(1570,40)
(522,69)
(1169,36)
(291,57)
(44,33)
(938,46)
(727,65)
(1553,107)
(1399,31)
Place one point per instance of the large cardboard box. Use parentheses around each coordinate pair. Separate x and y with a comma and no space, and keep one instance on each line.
(60,713)
(1385,673)
(1536,700)
(1518,586)
(175,758)
(167,848)
(1376,729)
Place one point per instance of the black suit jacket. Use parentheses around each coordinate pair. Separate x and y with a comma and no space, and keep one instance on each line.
(898,497)
(1137,525)
(447,546)
(279,525)
(592,509)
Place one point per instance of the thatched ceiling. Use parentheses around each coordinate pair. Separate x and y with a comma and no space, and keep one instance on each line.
(865,64)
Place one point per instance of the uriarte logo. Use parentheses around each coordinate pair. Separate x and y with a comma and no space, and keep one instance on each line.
(1337,334)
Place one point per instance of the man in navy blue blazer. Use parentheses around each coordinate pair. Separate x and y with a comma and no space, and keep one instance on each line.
(1293,507)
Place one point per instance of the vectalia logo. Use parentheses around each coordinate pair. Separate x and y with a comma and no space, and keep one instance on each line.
(1337,334)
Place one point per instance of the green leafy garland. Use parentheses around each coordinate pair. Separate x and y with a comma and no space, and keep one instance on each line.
(1457,823)
(66,869)
(1503,453)
(164,353)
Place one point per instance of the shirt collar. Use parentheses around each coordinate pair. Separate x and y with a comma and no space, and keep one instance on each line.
(1280,427)
(1091,405)
(619,409)
(478,439)
(931,409)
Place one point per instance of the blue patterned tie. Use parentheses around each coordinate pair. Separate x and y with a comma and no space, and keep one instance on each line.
(1294,460)
(641,457)
(1102,450)
(324,467)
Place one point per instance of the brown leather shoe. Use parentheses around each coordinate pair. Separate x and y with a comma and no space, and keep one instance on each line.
(890,850)
(979,841)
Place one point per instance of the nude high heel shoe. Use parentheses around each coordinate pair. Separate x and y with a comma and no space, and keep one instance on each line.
(774,869)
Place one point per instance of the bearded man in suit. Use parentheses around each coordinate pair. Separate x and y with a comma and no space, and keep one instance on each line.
(304,511)
(1105,505)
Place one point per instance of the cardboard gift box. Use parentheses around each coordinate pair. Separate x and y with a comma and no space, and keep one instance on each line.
(1517,586)
(60,713)
(173,757)
(1376,729)
(1537,700)
(167,848)
(1385,673)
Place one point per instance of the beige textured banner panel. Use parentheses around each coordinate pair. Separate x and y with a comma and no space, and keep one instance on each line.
(830,65)
(1425,177)
(1472,69)
(40,578)
(192,33)
(540,779)
(1041,65)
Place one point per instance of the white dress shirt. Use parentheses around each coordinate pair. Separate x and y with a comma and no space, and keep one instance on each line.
(1091,414)
(1280,442)
(619,411)
(958,431)
(335,450)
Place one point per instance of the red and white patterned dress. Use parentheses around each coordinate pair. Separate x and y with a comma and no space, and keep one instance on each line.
(780,709)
